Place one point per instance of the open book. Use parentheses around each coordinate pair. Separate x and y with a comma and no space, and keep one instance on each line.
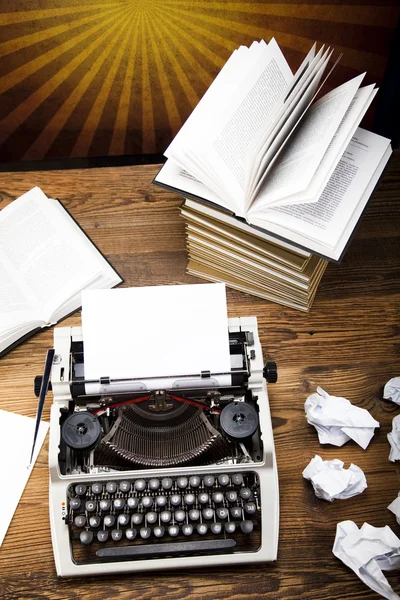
(45,262)
(262,146)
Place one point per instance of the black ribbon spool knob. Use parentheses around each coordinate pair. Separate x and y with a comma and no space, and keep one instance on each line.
(239,420)
(81,431)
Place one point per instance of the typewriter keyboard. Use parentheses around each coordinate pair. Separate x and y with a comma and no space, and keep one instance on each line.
(133,519)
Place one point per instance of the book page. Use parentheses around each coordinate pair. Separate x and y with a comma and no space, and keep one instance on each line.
(298,162)
(324,222)
(336,148)
(173,175)
(42,250)
(219,146)
(274,139)
(227,81)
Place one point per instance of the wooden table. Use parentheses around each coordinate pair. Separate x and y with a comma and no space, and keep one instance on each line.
(348,344)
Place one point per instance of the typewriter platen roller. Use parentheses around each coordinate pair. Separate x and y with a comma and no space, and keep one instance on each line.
(144,478)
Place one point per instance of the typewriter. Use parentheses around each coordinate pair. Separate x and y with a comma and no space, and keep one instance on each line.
(151,477)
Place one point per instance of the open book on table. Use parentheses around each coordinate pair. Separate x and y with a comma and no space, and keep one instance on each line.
(46,260)
(262,146)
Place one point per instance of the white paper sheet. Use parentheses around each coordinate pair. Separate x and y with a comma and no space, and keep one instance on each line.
(391,390)
(395,508)
(394,440)
(331,481)
(337,420)
(159,331)
(368,551)
(15,452)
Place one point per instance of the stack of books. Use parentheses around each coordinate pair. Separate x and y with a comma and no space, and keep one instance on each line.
(223,248)
(275,175)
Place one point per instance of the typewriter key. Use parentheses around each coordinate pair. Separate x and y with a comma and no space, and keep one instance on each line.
(158,531)
(246,526)
(86,537)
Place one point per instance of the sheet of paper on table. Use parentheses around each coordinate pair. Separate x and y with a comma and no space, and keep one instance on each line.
(15,466)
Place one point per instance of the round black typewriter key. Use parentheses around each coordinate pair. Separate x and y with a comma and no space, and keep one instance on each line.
(123,520)
(222,513)
(237,479)
(182,482)
(145,533)
(208,513)
(90,505)
(231,496)
(245,493)
(223,479)
(124,486)
(151,518)
(187,529)
(137,518)
(158,531)
(140,485)
(194,514)
(130,534)
(86,537)
(209,480)
(167,483)
(147,501)
(105,504)
(173,530)
(161,501)
(203,498)
(236,512)
(75,503)
(80,521)
(194,481)
(202,528)
(217,497)
(189,499)
(109,520)
(154,484)
(94,521)
(165,516)
(111,487)
(132,502)
(80,489)
(250,508)
(102,536)
(180,516)
(216,528)
(230,527)
(116,535)
(175,499)
(246,526)
(97,488)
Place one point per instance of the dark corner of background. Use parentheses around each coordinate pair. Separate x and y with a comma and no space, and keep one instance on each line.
(387,116)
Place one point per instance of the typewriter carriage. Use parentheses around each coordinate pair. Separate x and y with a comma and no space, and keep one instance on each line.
(185,425)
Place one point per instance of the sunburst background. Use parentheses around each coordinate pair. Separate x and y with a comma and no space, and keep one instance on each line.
(119,77)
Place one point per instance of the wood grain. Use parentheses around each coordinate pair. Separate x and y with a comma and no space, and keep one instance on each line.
(348,344)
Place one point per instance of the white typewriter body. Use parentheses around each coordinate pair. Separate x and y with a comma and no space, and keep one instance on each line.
(263,465)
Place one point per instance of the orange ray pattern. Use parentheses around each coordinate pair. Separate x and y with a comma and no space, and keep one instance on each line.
(119,77)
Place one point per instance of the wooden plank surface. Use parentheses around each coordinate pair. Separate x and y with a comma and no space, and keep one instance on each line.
(348,344)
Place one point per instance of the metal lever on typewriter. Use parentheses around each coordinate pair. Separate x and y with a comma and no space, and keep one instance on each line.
(160,404)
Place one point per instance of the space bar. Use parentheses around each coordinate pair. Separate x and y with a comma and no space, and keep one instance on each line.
(169,549)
